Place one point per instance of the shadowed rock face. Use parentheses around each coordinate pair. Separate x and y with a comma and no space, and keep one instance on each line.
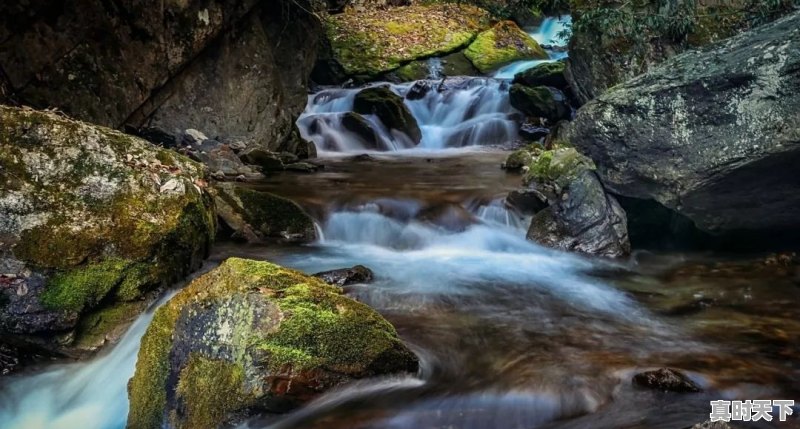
(712,134)
(225,67)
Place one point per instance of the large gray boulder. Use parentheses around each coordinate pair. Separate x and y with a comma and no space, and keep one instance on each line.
(228,67)
(712,134)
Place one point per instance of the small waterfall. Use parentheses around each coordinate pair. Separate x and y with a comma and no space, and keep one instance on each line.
(461,112)
(435,68)
(549,35)
(88,395)
(498,213)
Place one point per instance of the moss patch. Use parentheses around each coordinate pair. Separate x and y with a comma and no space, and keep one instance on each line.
(376,41)
(502,44)
(93,328)
(315,331)
(560,165)
(210,390)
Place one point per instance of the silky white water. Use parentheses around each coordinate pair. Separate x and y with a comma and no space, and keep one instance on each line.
(464,112)
(86,395)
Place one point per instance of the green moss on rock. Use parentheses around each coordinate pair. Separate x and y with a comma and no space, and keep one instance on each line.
(259,334)
(560,165)
(539,101)
(376,41)
(502,44)
(389,108)
(103,216)
(546,74)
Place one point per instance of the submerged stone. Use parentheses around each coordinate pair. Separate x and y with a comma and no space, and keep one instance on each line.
(667,380)
(253,335)
(389,108)
(346,276)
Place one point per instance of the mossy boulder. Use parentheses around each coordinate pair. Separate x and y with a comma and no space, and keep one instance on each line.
(546,74)
(89,218)
(540,101)
(261,216)
(455,64)
(389,108)
(522,157)
(253,335)
(373,42)
(581,216)
(502,44)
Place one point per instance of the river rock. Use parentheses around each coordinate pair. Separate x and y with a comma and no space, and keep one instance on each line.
(266,160)
(167,64)
(389,108)
(219,158)
(448,216)
(252,335)
(540,101)
(667,380)
(90,218)
(711,134)
(372,42)
(547,74)
(346,276)
(359,125)
(581,217)
(262,216)
(502,44)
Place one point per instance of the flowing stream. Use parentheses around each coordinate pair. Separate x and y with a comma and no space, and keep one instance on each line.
(509,334)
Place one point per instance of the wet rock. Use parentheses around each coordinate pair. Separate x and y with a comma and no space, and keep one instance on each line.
(358,125)
(541,102)
(255,336)
(90,217)
(455,64)
(346,276)
(716,142)
(502,44)
(581,217)
(389,108)
(667,380)
(533,131)
(451,217)
(261,216)
(302,167)
(518,159)
(266,160)
(527,201)
(547,74)
(418,90)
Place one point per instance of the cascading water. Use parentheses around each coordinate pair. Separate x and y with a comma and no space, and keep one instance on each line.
(90,395)
(460,112)
(550,34)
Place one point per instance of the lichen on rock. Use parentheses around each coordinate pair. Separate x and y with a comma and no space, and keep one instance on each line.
(373,42)
(253,334)
(502,44)
(89,217)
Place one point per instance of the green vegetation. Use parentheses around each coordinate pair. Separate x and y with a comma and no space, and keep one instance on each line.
(502,44)
(376,41)
(559,165)
(308,326)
